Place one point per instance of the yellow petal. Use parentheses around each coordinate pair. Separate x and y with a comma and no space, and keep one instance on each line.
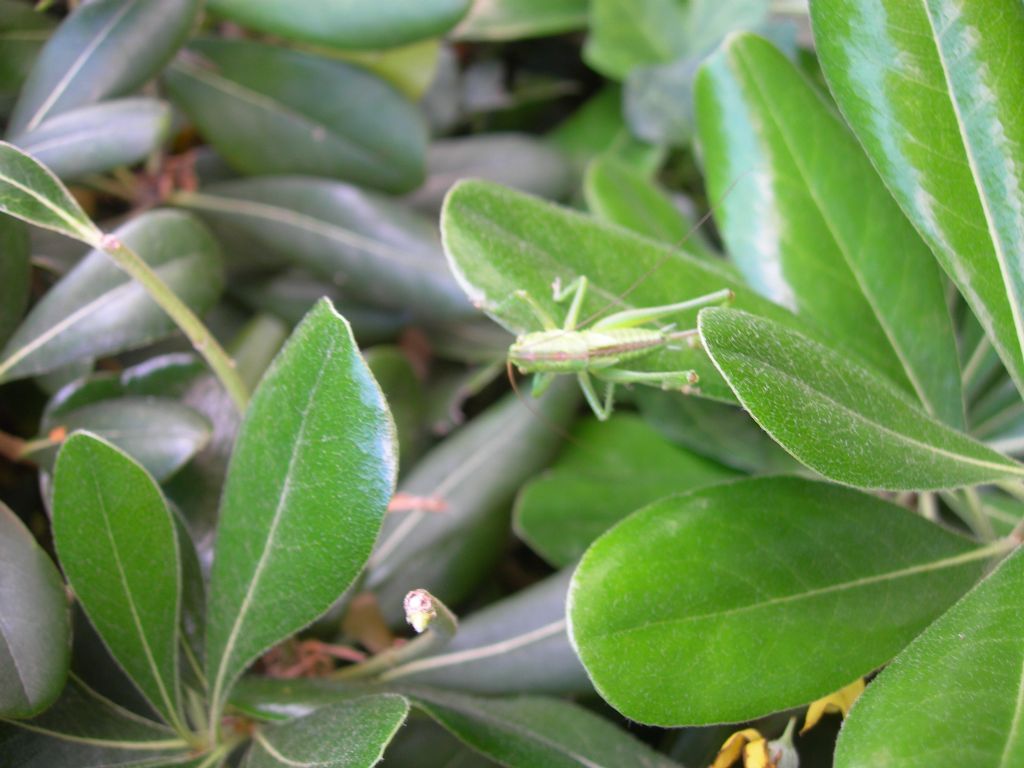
(755,755)
(732,750)
(840,701)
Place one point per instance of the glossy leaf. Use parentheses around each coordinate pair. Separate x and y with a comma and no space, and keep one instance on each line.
(386,254)
(323,117)
(96,309)
(35,631)
(926,90)
(812,227)
(85,730)
(499,241)
(357,25)
(536,731)
(30,192)
(610,470)
(403,389)
(500,20)
(474,474)
(515,645)
(350,734)
(15,272)
(98,137)
(513,159)
(839,417)
(104,49)
(159,433)
(119,550)
(789,570)
(310,477)
(956,690)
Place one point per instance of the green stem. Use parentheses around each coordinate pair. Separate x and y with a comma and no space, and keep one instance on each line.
(979,521)
(203,341)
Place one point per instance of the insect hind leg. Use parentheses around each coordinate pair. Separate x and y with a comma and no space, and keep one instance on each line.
(680,380)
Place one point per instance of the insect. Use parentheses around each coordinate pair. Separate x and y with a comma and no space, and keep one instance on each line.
(599,351)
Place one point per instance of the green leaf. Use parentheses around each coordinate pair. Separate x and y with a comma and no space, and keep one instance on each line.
(96,309)
(839,417)
(85,730)
(310,477)
(513,159)
(474,475)
(15,271)
(104,49)
(624,36)
(119,550)
(22,34)
(609,470)
(536,731)
(717,431)
(381,251)
(159,433)
(793,212)
(504,20)
(323,117)
(29,191)
(98,137)
(617,192)
(499,241)
(403,389)
(382,24)
(35,632)
(425,744)
(788,570)
(926,88)
(956,690)
(350,734)
(515,645)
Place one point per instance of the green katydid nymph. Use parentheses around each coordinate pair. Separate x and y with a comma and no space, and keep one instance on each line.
(600,350)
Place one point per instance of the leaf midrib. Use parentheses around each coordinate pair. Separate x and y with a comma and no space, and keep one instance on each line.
(964,558)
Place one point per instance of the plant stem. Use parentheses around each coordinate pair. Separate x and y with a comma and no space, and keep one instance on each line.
(203,341)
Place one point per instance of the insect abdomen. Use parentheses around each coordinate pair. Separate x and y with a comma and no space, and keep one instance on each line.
(576,351)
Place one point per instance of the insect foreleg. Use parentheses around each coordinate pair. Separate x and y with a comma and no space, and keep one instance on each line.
(538,311)
(601,410)
(578,290)
(631,318)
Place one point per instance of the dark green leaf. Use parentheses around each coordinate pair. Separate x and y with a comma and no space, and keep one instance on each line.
(927,89)
(96,309)
(382,24)
(516,645)
(812,227)
(350,734)
(98,137)
(425,744)
(311,475)
(22,34)
(85,730)
(406,398)
(119,549)
(159,433)
(15,272)
(323,117)
(499,20)
(473,476)
(839,417)
(718,431)
(30,192)
(499,241)
(105,48)
(377,248)
(954,691)
(536,731)
(35,637)
(516,160)
(609,470)
(788,570)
